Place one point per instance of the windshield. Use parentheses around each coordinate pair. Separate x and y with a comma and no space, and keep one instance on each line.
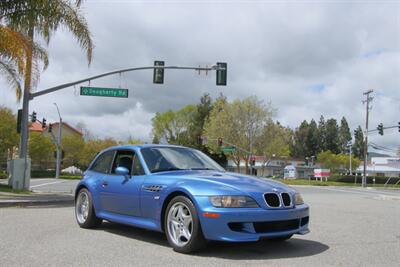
(160,159)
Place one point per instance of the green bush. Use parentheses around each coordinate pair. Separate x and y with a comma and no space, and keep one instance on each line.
(350,179)
(3,175)
(43,174)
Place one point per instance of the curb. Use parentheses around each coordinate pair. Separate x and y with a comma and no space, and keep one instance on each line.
(35,203)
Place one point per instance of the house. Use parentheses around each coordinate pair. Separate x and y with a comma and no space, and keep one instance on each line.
(67,129)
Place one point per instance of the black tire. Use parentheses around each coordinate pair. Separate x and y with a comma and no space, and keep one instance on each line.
(281,238)
(197,240)
(92,220)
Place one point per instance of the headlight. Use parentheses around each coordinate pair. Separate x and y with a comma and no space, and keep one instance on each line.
(233,202)
(298,200)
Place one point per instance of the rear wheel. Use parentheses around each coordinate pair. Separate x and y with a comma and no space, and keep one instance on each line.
(84,210)
(182,226)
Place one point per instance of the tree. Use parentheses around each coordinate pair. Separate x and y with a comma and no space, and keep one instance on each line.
(174,126)
(358,146)
(73,147)
(332,136)
(41,149)
(344,136)
(312,139)
(336,162)
(239,123)
(8,132)
(273,142)
(93,147)
(203,111)
(298,147)
(132,141)
(41,18)
(14,48)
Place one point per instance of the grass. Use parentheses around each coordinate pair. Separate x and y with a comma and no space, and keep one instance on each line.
(328,183)
(8,189)
(71,177)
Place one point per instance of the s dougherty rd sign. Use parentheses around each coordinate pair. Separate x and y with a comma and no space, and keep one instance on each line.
(101,91)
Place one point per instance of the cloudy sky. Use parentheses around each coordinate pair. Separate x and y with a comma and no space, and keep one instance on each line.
(309,58)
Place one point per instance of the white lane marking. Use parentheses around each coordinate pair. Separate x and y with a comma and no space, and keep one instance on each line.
(368,193)
(58,182)
(41,179)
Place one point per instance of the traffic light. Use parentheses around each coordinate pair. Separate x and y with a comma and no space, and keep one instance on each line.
(220,141)
(33,116)
(50,127)
(43,123)
(380,129)
(158,74)
(399,126)
(221,73)
(19,119)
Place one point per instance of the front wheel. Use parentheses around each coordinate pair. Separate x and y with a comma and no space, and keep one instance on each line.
(84,211)
(182,226)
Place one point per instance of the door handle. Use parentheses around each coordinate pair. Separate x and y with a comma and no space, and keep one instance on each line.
(104,184)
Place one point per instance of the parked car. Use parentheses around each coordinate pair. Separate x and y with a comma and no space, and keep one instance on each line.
(184,193)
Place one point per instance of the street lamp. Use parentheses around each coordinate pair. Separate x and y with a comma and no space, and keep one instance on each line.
(58,163)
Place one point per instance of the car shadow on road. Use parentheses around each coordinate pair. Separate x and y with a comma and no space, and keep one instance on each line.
(265,249)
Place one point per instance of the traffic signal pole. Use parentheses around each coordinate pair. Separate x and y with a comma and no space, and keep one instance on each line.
(23,148)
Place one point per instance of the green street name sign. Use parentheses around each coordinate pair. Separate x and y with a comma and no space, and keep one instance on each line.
(229,149)
(100,91)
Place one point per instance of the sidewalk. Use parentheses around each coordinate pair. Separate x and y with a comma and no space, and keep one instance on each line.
(35,199)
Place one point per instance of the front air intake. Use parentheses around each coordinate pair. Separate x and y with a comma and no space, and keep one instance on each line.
(286,199)
(272,200)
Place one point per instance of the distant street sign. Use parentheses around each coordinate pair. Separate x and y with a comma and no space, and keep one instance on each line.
(100,91)
(229,149)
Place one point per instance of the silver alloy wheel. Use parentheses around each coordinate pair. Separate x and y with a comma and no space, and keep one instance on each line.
(82,207)
(180,224)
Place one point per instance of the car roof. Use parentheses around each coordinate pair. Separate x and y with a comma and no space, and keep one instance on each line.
(134,147)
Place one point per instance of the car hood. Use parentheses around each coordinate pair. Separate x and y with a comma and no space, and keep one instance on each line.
(238,182)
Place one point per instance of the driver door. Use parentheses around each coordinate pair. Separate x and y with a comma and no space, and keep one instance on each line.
(121,194)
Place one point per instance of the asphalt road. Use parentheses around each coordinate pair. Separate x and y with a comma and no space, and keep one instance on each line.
(51,185)
(349,227)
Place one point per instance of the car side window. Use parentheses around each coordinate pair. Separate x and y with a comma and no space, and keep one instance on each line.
(103,162)
(137,168)
(123,159)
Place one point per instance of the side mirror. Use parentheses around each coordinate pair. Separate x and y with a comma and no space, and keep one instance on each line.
(122,171)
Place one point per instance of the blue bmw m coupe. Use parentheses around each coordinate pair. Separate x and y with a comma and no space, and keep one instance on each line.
(184,193)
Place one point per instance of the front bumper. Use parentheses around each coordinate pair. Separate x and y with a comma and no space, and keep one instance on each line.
(251,224)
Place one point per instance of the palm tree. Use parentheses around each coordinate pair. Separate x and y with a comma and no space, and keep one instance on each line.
(14,47)
(41,18)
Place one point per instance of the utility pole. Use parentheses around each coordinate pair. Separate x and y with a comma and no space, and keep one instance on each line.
(58,161)
(367,101)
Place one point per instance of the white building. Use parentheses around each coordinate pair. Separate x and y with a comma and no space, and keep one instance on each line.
(383,166)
